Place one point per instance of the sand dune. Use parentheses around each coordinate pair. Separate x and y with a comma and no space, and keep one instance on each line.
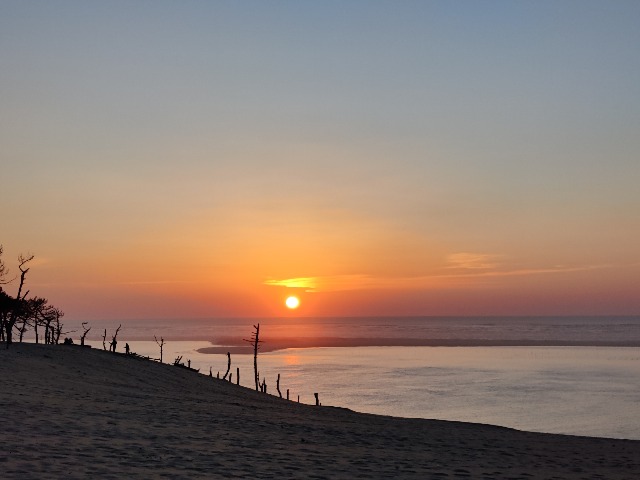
(69,412)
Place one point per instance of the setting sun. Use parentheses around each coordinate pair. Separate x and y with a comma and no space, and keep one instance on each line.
(292,302)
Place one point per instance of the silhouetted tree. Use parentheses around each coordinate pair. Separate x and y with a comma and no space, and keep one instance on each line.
(35,312)
(19,313)
(7,304)
(17,309)
(3,269)
(114,341)
(160,344)
(228,365)
(84,334)
(255,342)
(57,326)
(6,301)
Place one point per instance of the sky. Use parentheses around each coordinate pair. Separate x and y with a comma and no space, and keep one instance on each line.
(168,159)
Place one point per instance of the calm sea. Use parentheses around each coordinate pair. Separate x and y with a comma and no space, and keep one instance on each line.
(572,389)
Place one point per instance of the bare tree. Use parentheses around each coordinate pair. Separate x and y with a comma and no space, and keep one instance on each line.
(161,345)
(228,365)
(4,271)
(23,317)
(15,313)
(19,313)
(4,298)
(7,305)
(31,313)
(255,341)
(114,341)
(51,315)
(56,328)
(84,334)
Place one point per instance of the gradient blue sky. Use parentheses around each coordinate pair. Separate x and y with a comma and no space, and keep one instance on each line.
(208,158)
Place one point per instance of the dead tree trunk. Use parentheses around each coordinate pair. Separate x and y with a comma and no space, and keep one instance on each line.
(287,394)
(160,344)
(36,321)
(228,365)
(104,340)
(255,341)
(114,341)
(317,400)
(84,334)
(237,375)
(278,386)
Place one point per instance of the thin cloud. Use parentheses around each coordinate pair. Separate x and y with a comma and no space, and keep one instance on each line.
(329,283)
(473,261)
(334,283)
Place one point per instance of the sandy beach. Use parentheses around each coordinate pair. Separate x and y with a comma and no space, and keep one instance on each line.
(72,412)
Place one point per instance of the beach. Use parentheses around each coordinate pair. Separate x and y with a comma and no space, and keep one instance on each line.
(73,412)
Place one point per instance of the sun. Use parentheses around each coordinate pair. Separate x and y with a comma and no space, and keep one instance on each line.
(292,302)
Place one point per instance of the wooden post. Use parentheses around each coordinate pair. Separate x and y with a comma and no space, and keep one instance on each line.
(238,376)
(317,401)
(287,394)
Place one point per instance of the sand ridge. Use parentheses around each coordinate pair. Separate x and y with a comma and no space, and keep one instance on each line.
(71,412)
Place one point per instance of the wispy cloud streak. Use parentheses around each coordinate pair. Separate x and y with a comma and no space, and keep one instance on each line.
(476,268)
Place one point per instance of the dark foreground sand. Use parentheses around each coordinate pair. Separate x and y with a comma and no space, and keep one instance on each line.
(69,412)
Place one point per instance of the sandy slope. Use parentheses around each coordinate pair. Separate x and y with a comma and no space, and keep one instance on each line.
(68,412)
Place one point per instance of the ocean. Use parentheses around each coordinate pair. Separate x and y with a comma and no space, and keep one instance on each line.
(570,375)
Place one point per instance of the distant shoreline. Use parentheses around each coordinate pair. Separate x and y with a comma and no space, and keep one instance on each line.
(237,346)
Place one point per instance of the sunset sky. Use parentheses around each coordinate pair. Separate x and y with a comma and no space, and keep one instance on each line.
(208,159)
